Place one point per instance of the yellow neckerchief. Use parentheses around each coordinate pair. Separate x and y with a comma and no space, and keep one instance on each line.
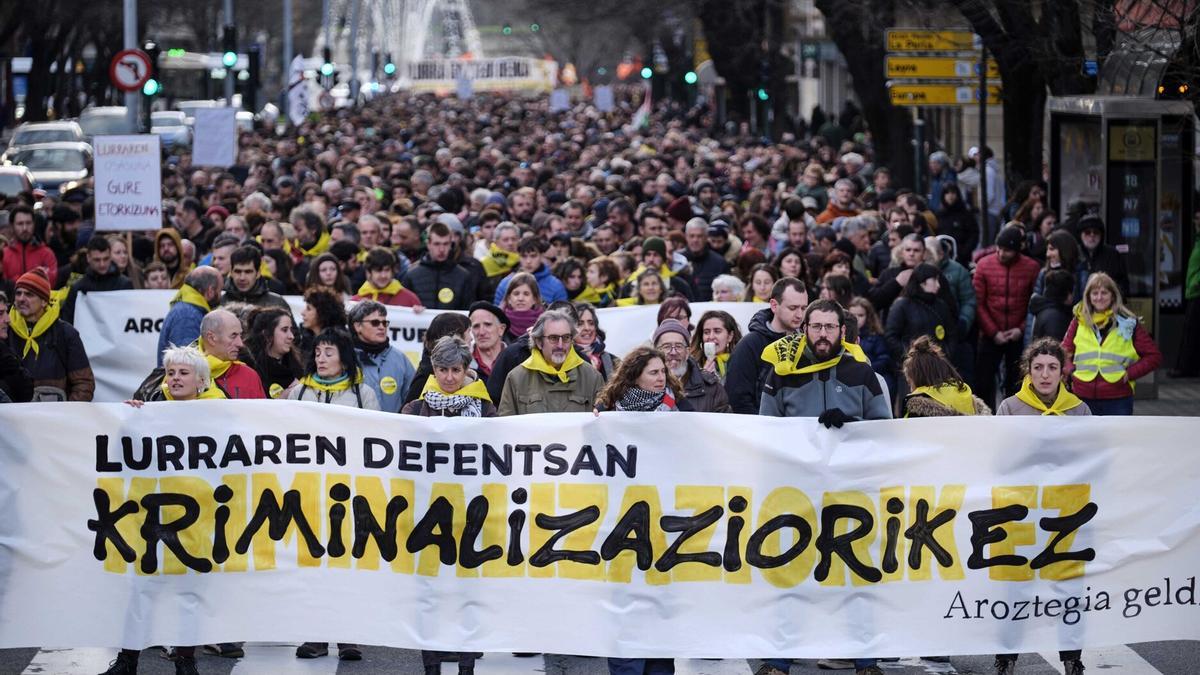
(1099,320)
(264,271)
(476,389)
(597,295)
(951,396)
(191,296)
(310,381)
(499,261)
(664,271)
(213,392)
(30,336)
(1063,402)
(369,290)
(786,353)
(216,365)
(318,248)
(722,363)
(361,256)
(538,364)
(60,295)
(758,299)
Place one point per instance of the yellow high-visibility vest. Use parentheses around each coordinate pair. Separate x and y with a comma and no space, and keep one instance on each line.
(1109,357)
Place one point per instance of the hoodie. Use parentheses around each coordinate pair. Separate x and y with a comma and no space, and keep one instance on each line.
(180,271)
(746,372)
(551,288)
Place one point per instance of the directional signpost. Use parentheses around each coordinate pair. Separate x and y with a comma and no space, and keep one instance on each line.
(940,94)
(937,67)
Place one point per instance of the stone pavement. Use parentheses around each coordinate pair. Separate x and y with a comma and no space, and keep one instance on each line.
(1176,398)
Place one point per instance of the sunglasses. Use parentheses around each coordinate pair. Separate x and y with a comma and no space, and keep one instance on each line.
(377,323)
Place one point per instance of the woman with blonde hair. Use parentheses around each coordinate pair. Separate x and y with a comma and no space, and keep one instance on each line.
(1107,348)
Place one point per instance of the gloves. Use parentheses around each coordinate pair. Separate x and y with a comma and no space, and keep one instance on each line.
(834,417)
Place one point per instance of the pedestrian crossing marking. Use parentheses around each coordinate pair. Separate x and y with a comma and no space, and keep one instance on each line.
(50,661)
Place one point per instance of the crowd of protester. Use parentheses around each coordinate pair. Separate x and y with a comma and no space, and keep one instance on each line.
(877,301)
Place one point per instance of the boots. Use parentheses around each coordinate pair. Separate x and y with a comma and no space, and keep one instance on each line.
(126,663)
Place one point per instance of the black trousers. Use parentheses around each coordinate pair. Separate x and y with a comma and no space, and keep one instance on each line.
(988,360)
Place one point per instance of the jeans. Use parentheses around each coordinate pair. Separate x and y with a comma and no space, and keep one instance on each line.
(784,664)
(1110,406)
(1065,655)
(641,666)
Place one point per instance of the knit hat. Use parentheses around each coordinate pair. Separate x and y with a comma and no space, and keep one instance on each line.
(671,326)
(1091,223)
(680,209)
(1010,238)
(654,244)
(217,209)
(493,309)
(36,282)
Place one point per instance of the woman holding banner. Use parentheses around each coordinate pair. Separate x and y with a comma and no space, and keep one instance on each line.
(186,377)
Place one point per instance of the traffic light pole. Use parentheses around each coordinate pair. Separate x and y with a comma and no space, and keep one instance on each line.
(228,9)
(286,71)
(132,98)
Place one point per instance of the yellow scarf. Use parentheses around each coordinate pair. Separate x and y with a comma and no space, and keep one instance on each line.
(30,336)
(191,296)
(212,393)
(264,271)
(758,299)
(368,289)
(722,363)
(961,400)
(786,353)
(499,261)
(597,296)
(216,365)
(538,364)
(477,389)
(1063,402)
(664,271)
(631,302)
(318,248)
(1099,319)
(310,381)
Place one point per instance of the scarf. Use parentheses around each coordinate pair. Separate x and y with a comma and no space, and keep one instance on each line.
(318,248)
(499,261)
(758,299)
(640,400)
(597,296)
(467,401)
(212,393)
(538,364)
(1099,320)
(370,290)
(332,386)
(722,363)
(191,296)
(17,322)
(216,365)
(959,399)
(1063,402)
(786,354)
(521,320)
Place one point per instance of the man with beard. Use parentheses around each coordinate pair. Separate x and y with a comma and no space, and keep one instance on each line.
(554,378)
(101,275)
(245,282)
(701,388)
(746,371)
(25,252)
(168,250)
(521,205)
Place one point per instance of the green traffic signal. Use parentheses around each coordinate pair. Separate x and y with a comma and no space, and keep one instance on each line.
(507,29)
(647,72)
(762,94)
(535,27)
(229,59)
(151,87)
(389,69)
(326,69)
(690,77)
(176,52)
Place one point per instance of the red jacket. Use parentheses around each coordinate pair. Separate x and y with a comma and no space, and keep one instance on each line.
(1149,359)
(20,258)
(241,381)
(1003,292)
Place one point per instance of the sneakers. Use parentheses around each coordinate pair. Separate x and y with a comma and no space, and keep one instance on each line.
(126,663)
(1005,666)
(869,670)
(768,669)
(312,650)
(228,650)
(1073,667)
(186,665)
(835,664)
(349,653)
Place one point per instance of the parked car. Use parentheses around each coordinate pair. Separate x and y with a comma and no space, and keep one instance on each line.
(245,121)
(189,108)
(53,164)
(171,126)
(105,121)
(15,180)
(32,133)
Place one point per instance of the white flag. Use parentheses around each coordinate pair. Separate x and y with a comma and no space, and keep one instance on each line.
(297,91)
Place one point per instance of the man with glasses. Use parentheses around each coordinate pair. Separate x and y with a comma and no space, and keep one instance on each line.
(384,368)
(815,373)
(554,378)
(701,388)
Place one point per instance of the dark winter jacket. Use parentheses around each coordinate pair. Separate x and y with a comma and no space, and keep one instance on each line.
(94,283)
(746,372)
(963,225)
(703,390)
(15,381)
(441,285)
(258,295)
(1049,319)
(61,362)
(850,386)
(706,266)
(1002,292)
(1108,260)
(912,317)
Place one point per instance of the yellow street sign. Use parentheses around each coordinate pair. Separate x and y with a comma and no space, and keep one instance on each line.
(905,40)
(939,94)
(938,67)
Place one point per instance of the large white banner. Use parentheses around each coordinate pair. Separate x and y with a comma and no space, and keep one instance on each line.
(120,332)
(630,534)
(128,182)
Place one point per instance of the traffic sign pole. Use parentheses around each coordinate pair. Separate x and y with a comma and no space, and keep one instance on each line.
(132,99)
(985,220)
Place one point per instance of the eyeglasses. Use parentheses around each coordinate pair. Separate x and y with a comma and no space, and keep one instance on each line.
(673,347)
(557,339)
(377,323)
(824,327)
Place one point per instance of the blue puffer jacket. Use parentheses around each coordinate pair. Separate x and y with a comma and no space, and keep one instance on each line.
(388,372)
(551,288)
(180,328)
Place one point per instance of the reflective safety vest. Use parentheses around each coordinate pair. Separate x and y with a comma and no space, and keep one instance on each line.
(1109,357)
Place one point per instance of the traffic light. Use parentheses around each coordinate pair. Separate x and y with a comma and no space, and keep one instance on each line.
(690,77)
(229,57)
(153,85)
(647,72)
(254,70)
(506,29)
(389,66)
(535,27)
(762,94)
(327,64)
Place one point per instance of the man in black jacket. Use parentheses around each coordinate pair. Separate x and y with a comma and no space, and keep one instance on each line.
(747,371)
(438,280)
(1099,256)
(101,275)
(245,282)
(706,263)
